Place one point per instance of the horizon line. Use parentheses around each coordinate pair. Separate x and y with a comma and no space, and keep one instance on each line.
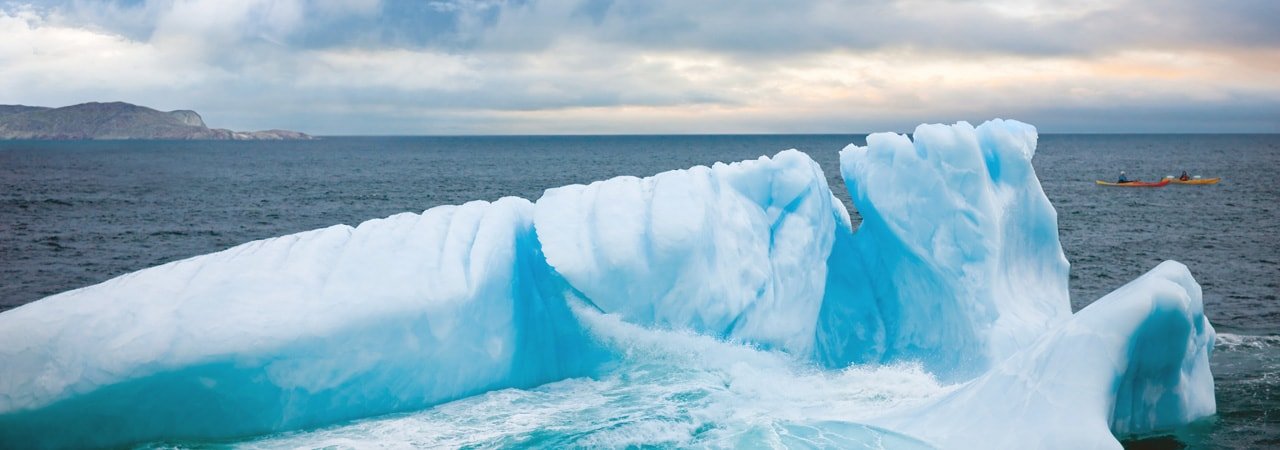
(1072,133)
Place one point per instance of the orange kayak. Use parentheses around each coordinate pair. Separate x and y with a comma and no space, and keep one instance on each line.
(1195,181)
(1135,183)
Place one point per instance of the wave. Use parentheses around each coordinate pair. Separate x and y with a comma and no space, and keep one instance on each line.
(1229,341)
(668,388)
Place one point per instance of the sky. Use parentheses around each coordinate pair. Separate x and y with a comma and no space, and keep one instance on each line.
(369,67)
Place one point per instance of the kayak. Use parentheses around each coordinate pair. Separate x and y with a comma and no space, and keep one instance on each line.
(1135,183)
(1195,181)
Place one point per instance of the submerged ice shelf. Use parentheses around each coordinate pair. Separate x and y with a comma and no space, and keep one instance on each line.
(956,267)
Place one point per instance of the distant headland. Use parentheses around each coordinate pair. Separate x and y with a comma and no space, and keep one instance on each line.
(118,120)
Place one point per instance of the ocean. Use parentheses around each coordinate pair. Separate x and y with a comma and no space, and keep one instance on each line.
(78,213)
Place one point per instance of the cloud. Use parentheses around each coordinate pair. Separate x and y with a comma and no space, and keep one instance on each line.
(42,62)
(585,66)
(757,28)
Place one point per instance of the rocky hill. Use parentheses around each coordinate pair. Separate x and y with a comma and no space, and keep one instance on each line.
(118,120)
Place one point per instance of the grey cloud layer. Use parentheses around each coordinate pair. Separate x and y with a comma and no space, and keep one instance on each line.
(753,27)
(614,65)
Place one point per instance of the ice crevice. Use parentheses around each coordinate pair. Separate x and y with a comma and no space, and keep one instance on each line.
(956,267)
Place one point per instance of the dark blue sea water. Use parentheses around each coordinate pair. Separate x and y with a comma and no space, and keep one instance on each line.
(77,213)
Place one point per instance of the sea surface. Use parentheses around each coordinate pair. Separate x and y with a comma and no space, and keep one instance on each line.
(74,214)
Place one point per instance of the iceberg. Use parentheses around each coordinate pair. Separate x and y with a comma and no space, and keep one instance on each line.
(291,332)
(957,262)
(737,251)
(1134,363)
(956,268)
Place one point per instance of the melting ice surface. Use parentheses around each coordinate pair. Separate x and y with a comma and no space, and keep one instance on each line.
(722,306)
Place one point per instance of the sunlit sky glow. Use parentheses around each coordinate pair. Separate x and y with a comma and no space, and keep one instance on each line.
(655,66)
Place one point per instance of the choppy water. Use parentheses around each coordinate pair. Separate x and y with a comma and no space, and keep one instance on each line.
(670,389)
(77,213)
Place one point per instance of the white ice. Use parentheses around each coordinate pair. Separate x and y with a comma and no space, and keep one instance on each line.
(1134,363)
(332,324)
(957,262)
(737,251)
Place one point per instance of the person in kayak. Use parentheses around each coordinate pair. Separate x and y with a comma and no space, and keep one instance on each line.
(1184,176)
(1123,178)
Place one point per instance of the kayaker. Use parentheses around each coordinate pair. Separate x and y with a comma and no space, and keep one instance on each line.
(1123,178)
(1184,176)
